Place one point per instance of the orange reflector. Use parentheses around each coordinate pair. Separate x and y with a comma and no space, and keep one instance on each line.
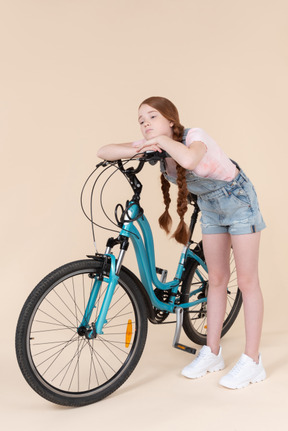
(180,346)
(128,333)
(205,326)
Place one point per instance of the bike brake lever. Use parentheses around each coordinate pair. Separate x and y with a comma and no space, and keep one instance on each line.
(103,163)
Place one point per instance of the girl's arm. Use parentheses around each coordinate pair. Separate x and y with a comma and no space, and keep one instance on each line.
(187,157)
(123,151)
(117,151)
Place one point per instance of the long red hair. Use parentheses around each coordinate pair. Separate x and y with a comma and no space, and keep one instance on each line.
(170,112)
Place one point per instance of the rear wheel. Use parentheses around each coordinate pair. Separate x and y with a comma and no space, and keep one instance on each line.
(195,287)
(58,360)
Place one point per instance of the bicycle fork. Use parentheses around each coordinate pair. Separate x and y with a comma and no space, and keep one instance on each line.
(112,280)
(110,263)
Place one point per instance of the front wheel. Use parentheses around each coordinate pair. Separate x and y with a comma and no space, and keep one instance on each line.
(195,288)
(58,360)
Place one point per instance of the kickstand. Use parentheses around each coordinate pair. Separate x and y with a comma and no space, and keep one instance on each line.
(179,322)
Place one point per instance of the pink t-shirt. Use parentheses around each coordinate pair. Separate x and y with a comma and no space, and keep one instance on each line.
(215,163)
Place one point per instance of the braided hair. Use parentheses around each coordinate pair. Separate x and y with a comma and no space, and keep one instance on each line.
(170,112)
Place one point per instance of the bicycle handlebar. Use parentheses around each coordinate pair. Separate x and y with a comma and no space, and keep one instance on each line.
(151,157)
(129,173)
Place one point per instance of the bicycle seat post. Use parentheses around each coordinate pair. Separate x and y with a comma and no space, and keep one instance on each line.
(194,218)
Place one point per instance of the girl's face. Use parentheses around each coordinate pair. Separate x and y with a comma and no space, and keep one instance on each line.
(153,124)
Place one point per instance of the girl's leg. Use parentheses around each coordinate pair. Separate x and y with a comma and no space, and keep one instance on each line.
(217,254)
(246,252)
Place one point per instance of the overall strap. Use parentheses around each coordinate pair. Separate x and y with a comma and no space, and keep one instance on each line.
(236,164)
(185,133)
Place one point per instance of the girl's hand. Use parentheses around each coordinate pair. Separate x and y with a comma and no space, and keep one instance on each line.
(148,146)
(154,144)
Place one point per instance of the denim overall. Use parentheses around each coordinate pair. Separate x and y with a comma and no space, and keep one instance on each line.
(226,206)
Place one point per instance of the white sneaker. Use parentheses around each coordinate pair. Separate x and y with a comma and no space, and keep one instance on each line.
(244,372)
(205,361)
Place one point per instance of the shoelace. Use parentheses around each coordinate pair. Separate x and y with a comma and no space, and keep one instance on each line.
(202,354)
(238,367)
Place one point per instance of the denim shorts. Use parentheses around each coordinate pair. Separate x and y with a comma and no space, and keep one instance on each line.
(231,209)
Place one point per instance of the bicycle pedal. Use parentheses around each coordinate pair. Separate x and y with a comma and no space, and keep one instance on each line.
(185,348)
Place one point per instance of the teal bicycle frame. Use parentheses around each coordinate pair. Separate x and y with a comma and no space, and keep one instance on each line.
(145,255)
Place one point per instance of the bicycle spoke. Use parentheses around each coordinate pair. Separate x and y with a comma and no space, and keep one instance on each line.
(53,318)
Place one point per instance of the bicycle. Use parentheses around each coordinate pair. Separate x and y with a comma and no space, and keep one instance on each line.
(82,330)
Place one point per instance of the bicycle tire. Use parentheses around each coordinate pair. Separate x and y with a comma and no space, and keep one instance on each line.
(63,366)
(195,318)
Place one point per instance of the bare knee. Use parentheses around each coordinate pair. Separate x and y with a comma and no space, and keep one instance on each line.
(248,283)
(219,279)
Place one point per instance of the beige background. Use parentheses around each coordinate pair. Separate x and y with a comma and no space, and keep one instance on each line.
(73,73)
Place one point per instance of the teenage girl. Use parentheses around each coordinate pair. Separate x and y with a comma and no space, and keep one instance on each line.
(230,217)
